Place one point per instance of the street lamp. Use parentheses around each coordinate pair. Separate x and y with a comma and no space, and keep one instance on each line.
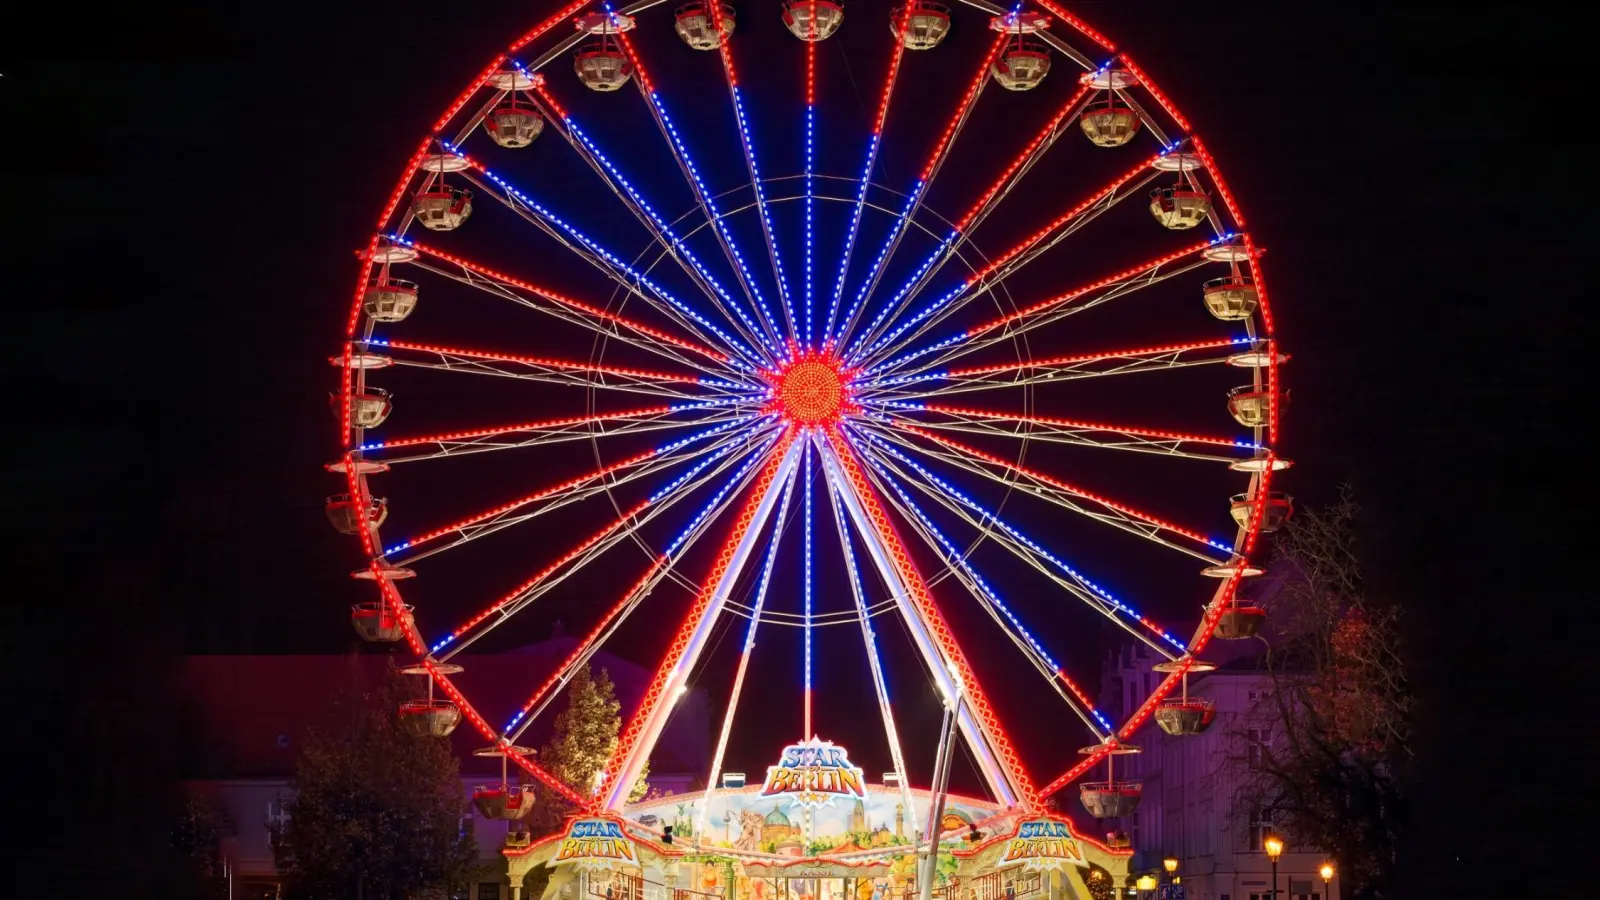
(1274,847)
(1170,864)
(1146,883)
(1327,876)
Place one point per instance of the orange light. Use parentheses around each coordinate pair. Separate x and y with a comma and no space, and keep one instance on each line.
(1274,847)
(1326,872)
(1170,864)
(811,392)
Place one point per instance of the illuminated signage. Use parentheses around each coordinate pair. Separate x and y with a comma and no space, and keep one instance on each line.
(595,843)
(1044,843)
(814,772)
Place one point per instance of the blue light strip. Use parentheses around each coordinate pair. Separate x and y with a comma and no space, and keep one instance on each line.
(954,557)
(850,238)
(757,300)
(854,569)
(988,516)
(766,220)
(883,254)
(677,242)
(811,129)
(894,304)
(722,492)
(766,568)
(807,486)
(615,261)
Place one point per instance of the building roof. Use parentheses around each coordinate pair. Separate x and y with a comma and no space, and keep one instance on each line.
(246,715)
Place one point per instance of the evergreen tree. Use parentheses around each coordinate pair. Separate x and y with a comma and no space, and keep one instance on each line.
(583,738)
(377,813)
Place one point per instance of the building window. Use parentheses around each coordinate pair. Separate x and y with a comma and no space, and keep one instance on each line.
(277,814)
(488,890)
(1255,741)
(1260,827)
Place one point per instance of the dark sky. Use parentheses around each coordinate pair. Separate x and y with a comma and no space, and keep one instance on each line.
(187,185)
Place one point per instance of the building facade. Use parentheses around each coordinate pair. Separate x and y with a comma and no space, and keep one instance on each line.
(246,716)
(1191,807)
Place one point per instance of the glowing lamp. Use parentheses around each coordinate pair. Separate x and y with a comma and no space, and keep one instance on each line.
(1170,864)
(1326,872)
(1274,847)
(1146,883)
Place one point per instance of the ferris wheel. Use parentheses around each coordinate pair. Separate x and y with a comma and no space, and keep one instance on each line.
(810,362)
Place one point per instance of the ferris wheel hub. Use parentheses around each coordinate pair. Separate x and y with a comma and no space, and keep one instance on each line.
(812,390)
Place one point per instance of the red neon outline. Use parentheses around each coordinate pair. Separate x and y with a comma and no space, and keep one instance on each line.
(1054,482)
(454,436)
(962,111)
(933,619)
(680,644)
(523,501)
(1155,92)
(1027,151)
(1073,295)
(1082,26)
(1084,426)
(1091,357)
(554,297)
(559,364)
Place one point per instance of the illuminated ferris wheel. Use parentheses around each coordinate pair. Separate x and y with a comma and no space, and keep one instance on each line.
(814,363)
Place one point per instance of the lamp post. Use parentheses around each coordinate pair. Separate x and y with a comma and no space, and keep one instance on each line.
(1327,878)
(1171,865)
(1146,885)
(1274,847)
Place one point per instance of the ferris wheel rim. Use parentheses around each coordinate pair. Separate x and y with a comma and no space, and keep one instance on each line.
(355,464)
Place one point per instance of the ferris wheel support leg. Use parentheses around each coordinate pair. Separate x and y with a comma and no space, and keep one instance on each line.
(673,675)
(943,658)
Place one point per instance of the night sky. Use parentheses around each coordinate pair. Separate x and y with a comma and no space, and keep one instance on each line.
(188,185)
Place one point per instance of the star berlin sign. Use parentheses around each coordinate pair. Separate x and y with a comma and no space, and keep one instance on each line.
(1045,844)
(812,773)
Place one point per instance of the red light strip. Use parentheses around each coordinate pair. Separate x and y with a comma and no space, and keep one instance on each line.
(478,722)
(1038,139)
(962,110)
(933,619)
(523,501)
(1216,176)
(895,59)
(1053,482)
(1075,22)
(549,98)
(594,633)
(455,436)
(533,33)
(1213,615)
(554,297)
(1085,426)
(544,573)
(1090,357)
(670,662)
(638,64)
(1161,98)
(1104,282)
(722,43)
(541,362)
(1097,197)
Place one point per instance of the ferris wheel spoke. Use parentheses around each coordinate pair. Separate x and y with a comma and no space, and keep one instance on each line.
(544,431)
(1006,535)
(604,479)
(662,568)
(874,142)
(555,371)
(936,158)
(633,282)
(1084,434)
(1042,313)
(984,280)
(620,529)
(974,216)
(1061,368)
(1059,493)
(585,315)
(962,569)
(659,228)
(869,639)
(754,169)
(773,339)
(734,693)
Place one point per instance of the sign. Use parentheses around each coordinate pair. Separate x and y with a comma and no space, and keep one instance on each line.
(595,843)
(814,772)
(1044,843)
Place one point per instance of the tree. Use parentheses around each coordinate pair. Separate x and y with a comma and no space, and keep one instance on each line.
(584,736)
(1328,751)
(377,813)
(196,838)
